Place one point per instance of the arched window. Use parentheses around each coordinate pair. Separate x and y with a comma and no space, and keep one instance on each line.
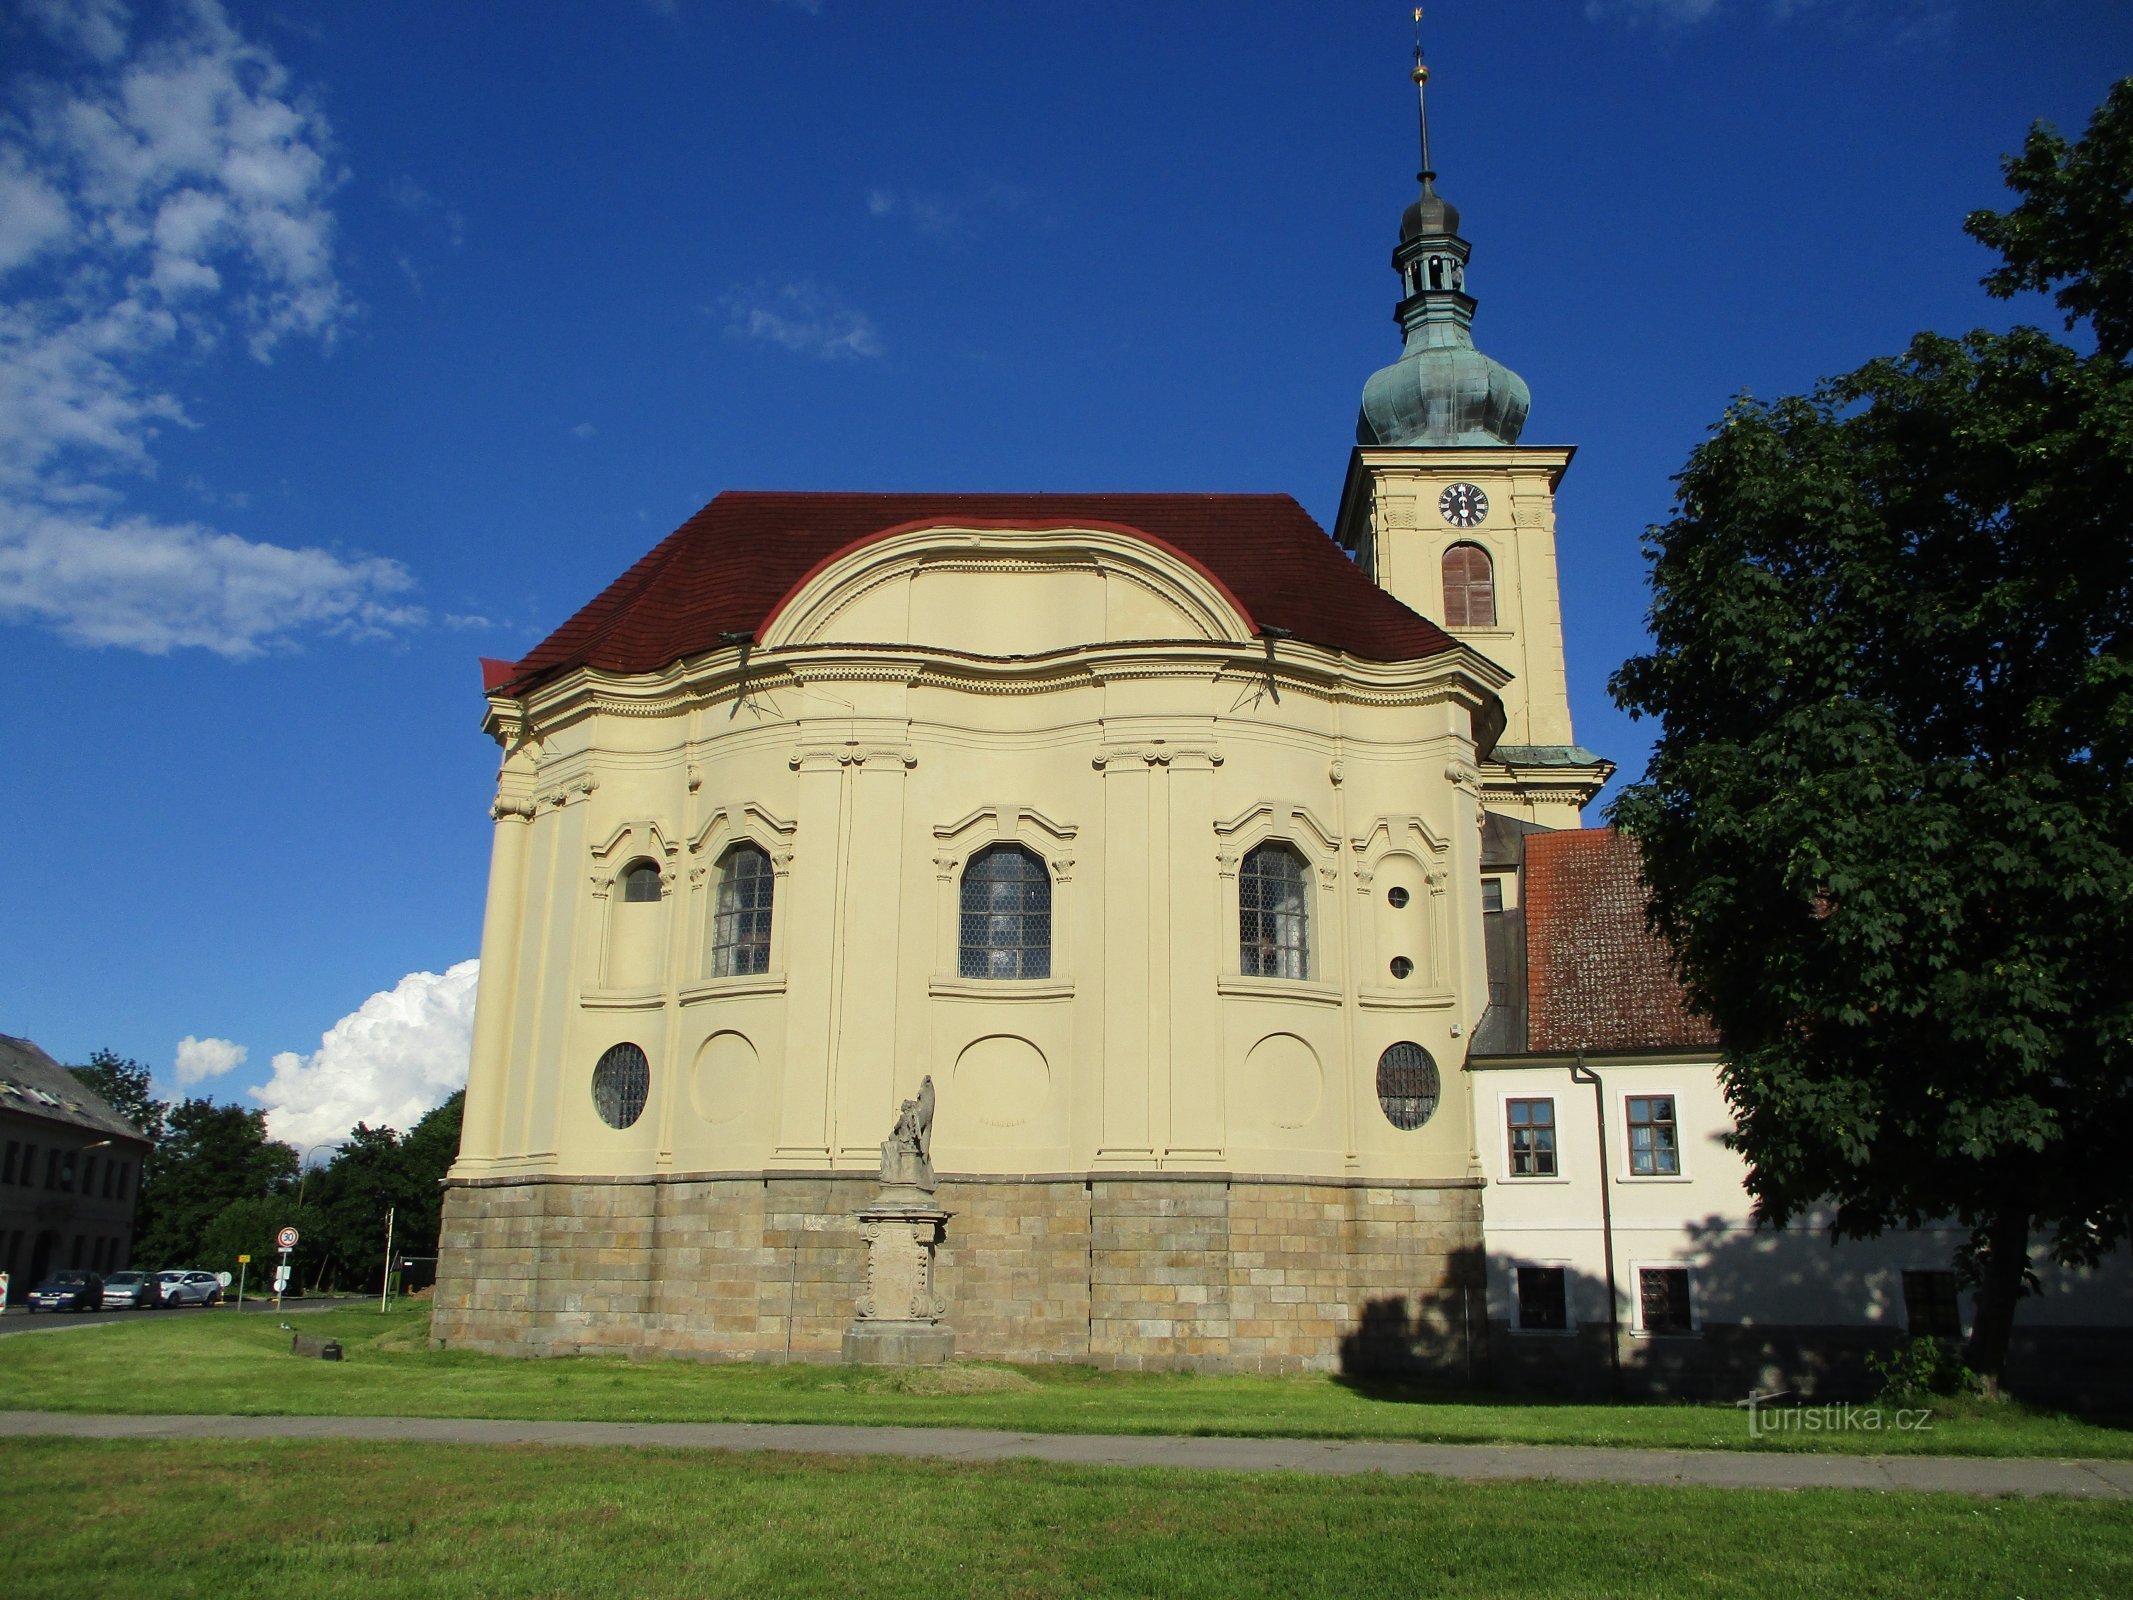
(1007,915)
(1469,587)
(622,1081)
(1273,914)
(740,927)
(1408,1085)
(640,881)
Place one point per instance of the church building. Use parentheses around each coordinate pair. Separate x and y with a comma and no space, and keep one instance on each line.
(1179,842)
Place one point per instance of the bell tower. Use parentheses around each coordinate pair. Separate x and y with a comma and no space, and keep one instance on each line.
(1446,510)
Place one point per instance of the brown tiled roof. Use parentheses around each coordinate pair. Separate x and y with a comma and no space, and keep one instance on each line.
(727,568)
(1597,977)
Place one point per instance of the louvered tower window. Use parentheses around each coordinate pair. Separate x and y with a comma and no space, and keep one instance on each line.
(1469,587)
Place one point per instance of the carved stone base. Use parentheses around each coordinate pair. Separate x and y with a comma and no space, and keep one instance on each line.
(898,1344)
(898,1313)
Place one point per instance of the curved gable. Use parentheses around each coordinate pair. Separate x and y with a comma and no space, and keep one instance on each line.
(1006,589)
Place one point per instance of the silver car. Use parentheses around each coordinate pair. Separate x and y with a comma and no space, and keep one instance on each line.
(188,1288)
(135,1289)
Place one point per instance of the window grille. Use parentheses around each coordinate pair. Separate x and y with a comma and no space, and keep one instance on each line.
(1006,915)
(1408,1086)
(1532,1124)
(740,930)
(1543,1298)
(640,881)
(1930,1308)
(621,1083)
(1654,1140)
(1273,914)
(1663,1298)
(1469,587)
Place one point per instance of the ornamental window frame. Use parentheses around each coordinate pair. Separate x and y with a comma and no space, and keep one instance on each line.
(633,844)
(725,829)
(1318,849)
(956,846)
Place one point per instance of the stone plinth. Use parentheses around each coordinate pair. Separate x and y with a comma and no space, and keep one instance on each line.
(899,1315)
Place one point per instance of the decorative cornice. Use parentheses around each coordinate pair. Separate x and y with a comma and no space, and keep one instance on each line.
(1156,753)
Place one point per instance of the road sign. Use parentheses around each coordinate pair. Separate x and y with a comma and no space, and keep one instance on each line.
(285,1240)
(223,1278)
(281,1279)
(243,1260)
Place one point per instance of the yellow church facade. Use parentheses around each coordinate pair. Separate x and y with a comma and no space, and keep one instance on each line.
(1149,827)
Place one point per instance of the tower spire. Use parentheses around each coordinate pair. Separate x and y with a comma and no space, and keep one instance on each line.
(1441,390)
(1428,175)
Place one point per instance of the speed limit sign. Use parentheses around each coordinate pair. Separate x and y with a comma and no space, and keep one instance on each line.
(285,1240)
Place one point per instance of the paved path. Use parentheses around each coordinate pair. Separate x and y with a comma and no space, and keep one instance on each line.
(2085,1480)
(19,1319)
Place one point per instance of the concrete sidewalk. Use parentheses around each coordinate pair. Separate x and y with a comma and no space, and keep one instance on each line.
(1718,1469)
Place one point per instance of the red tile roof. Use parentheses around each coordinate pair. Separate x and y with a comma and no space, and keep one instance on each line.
(727,569)
(1597,977)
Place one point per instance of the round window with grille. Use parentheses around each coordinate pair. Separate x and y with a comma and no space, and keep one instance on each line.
(623,1080)
(1407,1085)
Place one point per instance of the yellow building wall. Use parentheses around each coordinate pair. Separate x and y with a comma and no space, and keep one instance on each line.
(921,699)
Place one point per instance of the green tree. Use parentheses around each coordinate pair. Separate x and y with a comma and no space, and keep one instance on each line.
(429,1150)
(123,1085)
(1887,826)
(369,1176)
(2069,234)
(209,1156)
(248,1227)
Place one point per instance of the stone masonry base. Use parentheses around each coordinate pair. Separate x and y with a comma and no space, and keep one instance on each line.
(1215,1274)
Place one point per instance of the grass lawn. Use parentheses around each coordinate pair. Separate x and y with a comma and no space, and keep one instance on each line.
(218,1361)
(330,1519)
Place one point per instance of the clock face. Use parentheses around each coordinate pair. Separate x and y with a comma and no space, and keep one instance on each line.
(1463,505)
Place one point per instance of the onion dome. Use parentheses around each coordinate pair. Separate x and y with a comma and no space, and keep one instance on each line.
(1442,390)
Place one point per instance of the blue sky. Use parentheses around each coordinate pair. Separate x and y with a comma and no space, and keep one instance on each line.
(342,345)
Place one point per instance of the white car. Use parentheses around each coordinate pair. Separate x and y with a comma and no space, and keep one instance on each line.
(191,1288)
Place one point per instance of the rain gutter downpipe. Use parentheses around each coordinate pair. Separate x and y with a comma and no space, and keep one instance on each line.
(1580,1073)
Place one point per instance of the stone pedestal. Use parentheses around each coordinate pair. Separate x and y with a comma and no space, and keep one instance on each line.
(899,1317)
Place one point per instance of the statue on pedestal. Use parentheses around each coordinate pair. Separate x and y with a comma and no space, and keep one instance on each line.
(898,1316)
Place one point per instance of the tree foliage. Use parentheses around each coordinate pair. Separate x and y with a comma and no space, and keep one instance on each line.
(123,1085)
(2069,234)
(209,1156)
(1887,826)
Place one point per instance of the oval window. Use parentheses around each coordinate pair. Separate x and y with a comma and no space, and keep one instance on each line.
(623,1081)
(1401,966)
(1407,1085)
(1396,896)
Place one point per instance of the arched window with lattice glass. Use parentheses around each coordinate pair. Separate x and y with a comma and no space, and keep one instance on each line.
(740,924)
(1274,914)
(1469,587)
(1006,915)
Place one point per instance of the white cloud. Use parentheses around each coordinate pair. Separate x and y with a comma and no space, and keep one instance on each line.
(171,192)
(97,28)
(583,430)
(137,584)
(803,317)
(394,1058)
(207,1058)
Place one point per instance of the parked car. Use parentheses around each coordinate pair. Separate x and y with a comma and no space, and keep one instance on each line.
(129,1291)
(187,1288)
(69,1291)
